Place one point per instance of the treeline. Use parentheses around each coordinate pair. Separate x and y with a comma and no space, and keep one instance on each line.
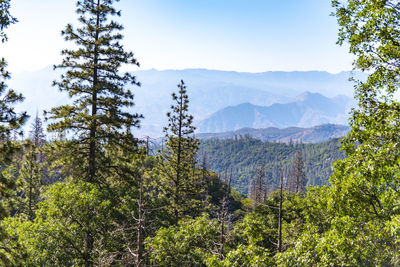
(94,196)
(244,155)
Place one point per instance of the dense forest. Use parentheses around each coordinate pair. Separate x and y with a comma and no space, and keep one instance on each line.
(243,156)
(94,195)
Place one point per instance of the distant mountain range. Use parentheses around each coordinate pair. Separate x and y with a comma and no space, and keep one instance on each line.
(308,110)
(209,91)
(317,134)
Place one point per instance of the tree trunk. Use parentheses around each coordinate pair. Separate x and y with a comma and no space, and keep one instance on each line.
(139,250)
(93,126)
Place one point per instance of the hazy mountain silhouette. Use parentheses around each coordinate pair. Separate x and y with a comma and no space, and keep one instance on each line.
(209,91)
(308,110)
(316,134)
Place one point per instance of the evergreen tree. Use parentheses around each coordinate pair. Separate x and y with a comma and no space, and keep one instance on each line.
(29,182)
(180,184)
(9,121)
(97,125)
(6,19)
(37,132)
(99,116)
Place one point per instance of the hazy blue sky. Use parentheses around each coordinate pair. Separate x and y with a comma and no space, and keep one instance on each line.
(240,35)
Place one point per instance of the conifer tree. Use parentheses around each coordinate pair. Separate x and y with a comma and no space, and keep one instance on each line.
(29,182)
(6,19)
(9,121)
(37,132)
(98,122)
(180,185)
(98,116)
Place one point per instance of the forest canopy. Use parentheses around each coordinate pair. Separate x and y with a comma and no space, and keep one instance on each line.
(95,195)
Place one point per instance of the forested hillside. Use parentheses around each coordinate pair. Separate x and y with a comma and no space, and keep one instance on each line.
(244,155)
(93,194)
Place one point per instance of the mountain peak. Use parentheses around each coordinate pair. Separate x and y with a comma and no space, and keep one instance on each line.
(246,104)
(306,96)
(309,109)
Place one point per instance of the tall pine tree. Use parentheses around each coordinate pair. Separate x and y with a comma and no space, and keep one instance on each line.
(99,115)
(30,181)
(37,132)
(98,122)
(10,122)
(181,185)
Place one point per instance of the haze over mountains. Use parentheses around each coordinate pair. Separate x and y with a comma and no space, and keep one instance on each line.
(316,134)
(272,98)
(308,110)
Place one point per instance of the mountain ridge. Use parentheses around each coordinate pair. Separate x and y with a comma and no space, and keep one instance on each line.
(308,110)
(316,134)
(209,91)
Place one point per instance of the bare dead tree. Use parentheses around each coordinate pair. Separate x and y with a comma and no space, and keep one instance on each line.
(298,181)
(224,218)
(258,186)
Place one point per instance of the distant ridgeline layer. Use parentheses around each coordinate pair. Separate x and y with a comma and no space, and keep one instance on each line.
(316,134)
(244,155)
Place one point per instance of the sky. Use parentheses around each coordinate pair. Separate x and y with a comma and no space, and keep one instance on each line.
(236,35)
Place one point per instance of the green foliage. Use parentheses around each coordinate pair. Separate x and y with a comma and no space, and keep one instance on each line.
(346,243)
(140,207)
(364,197)
(179,181)
(30,181)
(57,236)
(123,207)
(98,116)
(10,122)
(245,154)
(116,218)
(243,255)
(250,243)
(354,223)
(326,236)
(189,243)
(6,19)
